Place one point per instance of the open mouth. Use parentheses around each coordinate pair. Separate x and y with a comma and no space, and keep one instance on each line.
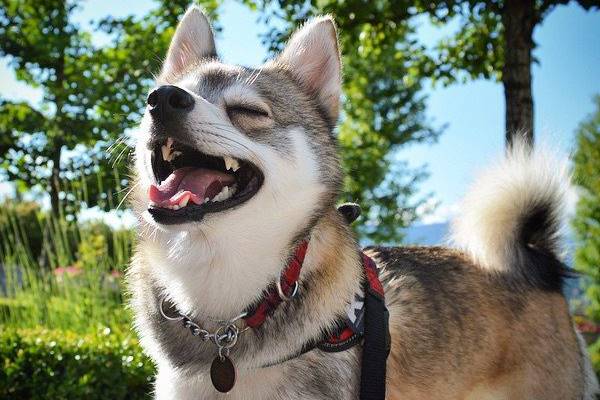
(190,184)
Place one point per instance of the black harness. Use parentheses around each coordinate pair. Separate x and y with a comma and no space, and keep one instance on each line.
(376,336)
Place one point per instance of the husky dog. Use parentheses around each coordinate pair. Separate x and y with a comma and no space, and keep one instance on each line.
(236,166)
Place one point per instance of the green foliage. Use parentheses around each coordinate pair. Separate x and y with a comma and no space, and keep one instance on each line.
(98,241)
(383,108)
(587,219)
(476,49)
(91,95)
(45,364)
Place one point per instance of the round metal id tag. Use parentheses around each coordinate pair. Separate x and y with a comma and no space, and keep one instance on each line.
(222,374)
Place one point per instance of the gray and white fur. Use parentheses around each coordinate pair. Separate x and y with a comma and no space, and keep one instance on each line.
(484,321)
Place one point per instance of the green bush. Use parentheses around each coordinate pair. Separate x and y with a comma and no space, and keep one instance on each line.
(43,364)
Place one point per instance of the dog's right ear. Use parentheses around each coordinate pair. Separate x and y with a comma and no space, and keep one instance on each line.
(193,41)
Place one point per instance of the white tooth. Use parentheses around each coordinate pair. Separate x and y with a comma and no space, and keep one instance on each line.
(175,207)
(184,201)
(228,161)
(166,150)
(166,153)
(206,200)
(222,195)
(231,163)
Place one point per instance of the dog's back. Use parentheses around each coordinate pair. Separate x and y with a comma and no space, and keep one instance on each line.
(489,322)
(462,333)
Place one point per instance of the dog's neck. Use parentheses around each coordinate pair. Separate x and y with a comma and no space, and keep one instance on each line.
(218,275)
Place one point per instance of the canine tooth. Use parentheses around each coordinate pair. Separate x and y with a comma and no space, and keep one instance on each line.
(231,163)
(165,152)
(184,200)
(228,161)
(206,200)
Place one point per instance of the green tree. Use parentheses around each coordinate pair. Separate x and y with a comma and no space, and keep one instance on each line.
(383,107)
(91,95)
(587,218)
(494,41)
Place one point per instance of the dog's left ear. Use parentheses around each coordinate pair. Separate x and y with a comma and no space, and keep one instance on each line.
(193,41)
(313,56)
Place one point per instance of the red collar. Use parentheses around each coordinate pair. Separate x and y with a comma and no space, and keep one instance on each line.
(351,329)
(278,292)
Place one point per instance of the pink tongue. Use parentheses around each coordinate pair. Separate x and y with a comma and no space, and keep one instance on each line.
(197,183)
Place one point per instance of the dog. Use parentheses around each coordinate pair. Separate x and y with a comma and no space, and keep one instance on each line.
(237,169)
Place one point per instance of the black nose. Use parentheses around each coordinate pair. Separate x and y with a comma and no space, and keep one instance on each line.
(168,102)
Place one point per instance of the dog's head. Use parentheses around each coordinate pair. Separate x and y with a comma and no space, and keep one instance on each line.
(224,147)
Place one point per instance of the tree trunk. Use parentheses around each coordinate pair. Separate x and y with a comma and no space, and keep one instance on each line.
(59,95)
(55,179)
(518,17)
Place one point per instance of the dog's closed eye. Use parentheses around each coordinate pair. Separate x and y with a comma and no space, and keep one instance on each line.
(249,116)
(248,110)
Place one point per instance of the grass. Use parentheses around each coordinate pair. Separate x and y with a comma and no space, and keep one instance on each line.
(61,274)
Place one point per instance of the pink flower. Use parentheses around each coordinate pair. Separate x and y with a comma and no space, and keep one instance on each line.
(71,270)
(115,274)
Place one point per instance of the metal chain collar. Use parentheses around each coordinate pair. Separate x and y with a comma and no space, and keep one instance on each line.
(224,337)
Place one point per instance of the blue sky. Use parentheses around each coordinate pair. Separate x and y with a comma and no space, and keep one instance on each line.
(565,80)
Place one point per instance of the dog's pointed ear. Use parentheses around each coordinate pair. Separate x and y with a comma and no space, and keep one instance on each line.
(193,41)
(313,56)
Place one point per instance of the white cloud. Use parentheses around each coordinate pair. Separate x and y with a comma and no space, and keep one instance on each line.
(116,219)
(434,212)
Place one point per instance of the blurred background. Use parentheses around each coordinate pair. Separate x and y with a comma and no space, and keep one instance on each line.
(433,92)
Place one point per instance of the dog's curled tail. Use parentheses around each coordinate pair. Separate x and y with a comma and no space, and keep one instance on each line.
(512,217)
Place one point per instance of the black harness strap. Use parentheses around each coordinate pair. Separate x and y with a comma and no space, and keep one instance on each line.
(376,347)
(376,338)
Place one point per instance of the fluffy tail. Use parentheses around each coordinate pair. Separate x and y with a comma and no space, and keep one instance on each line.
(512,217)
